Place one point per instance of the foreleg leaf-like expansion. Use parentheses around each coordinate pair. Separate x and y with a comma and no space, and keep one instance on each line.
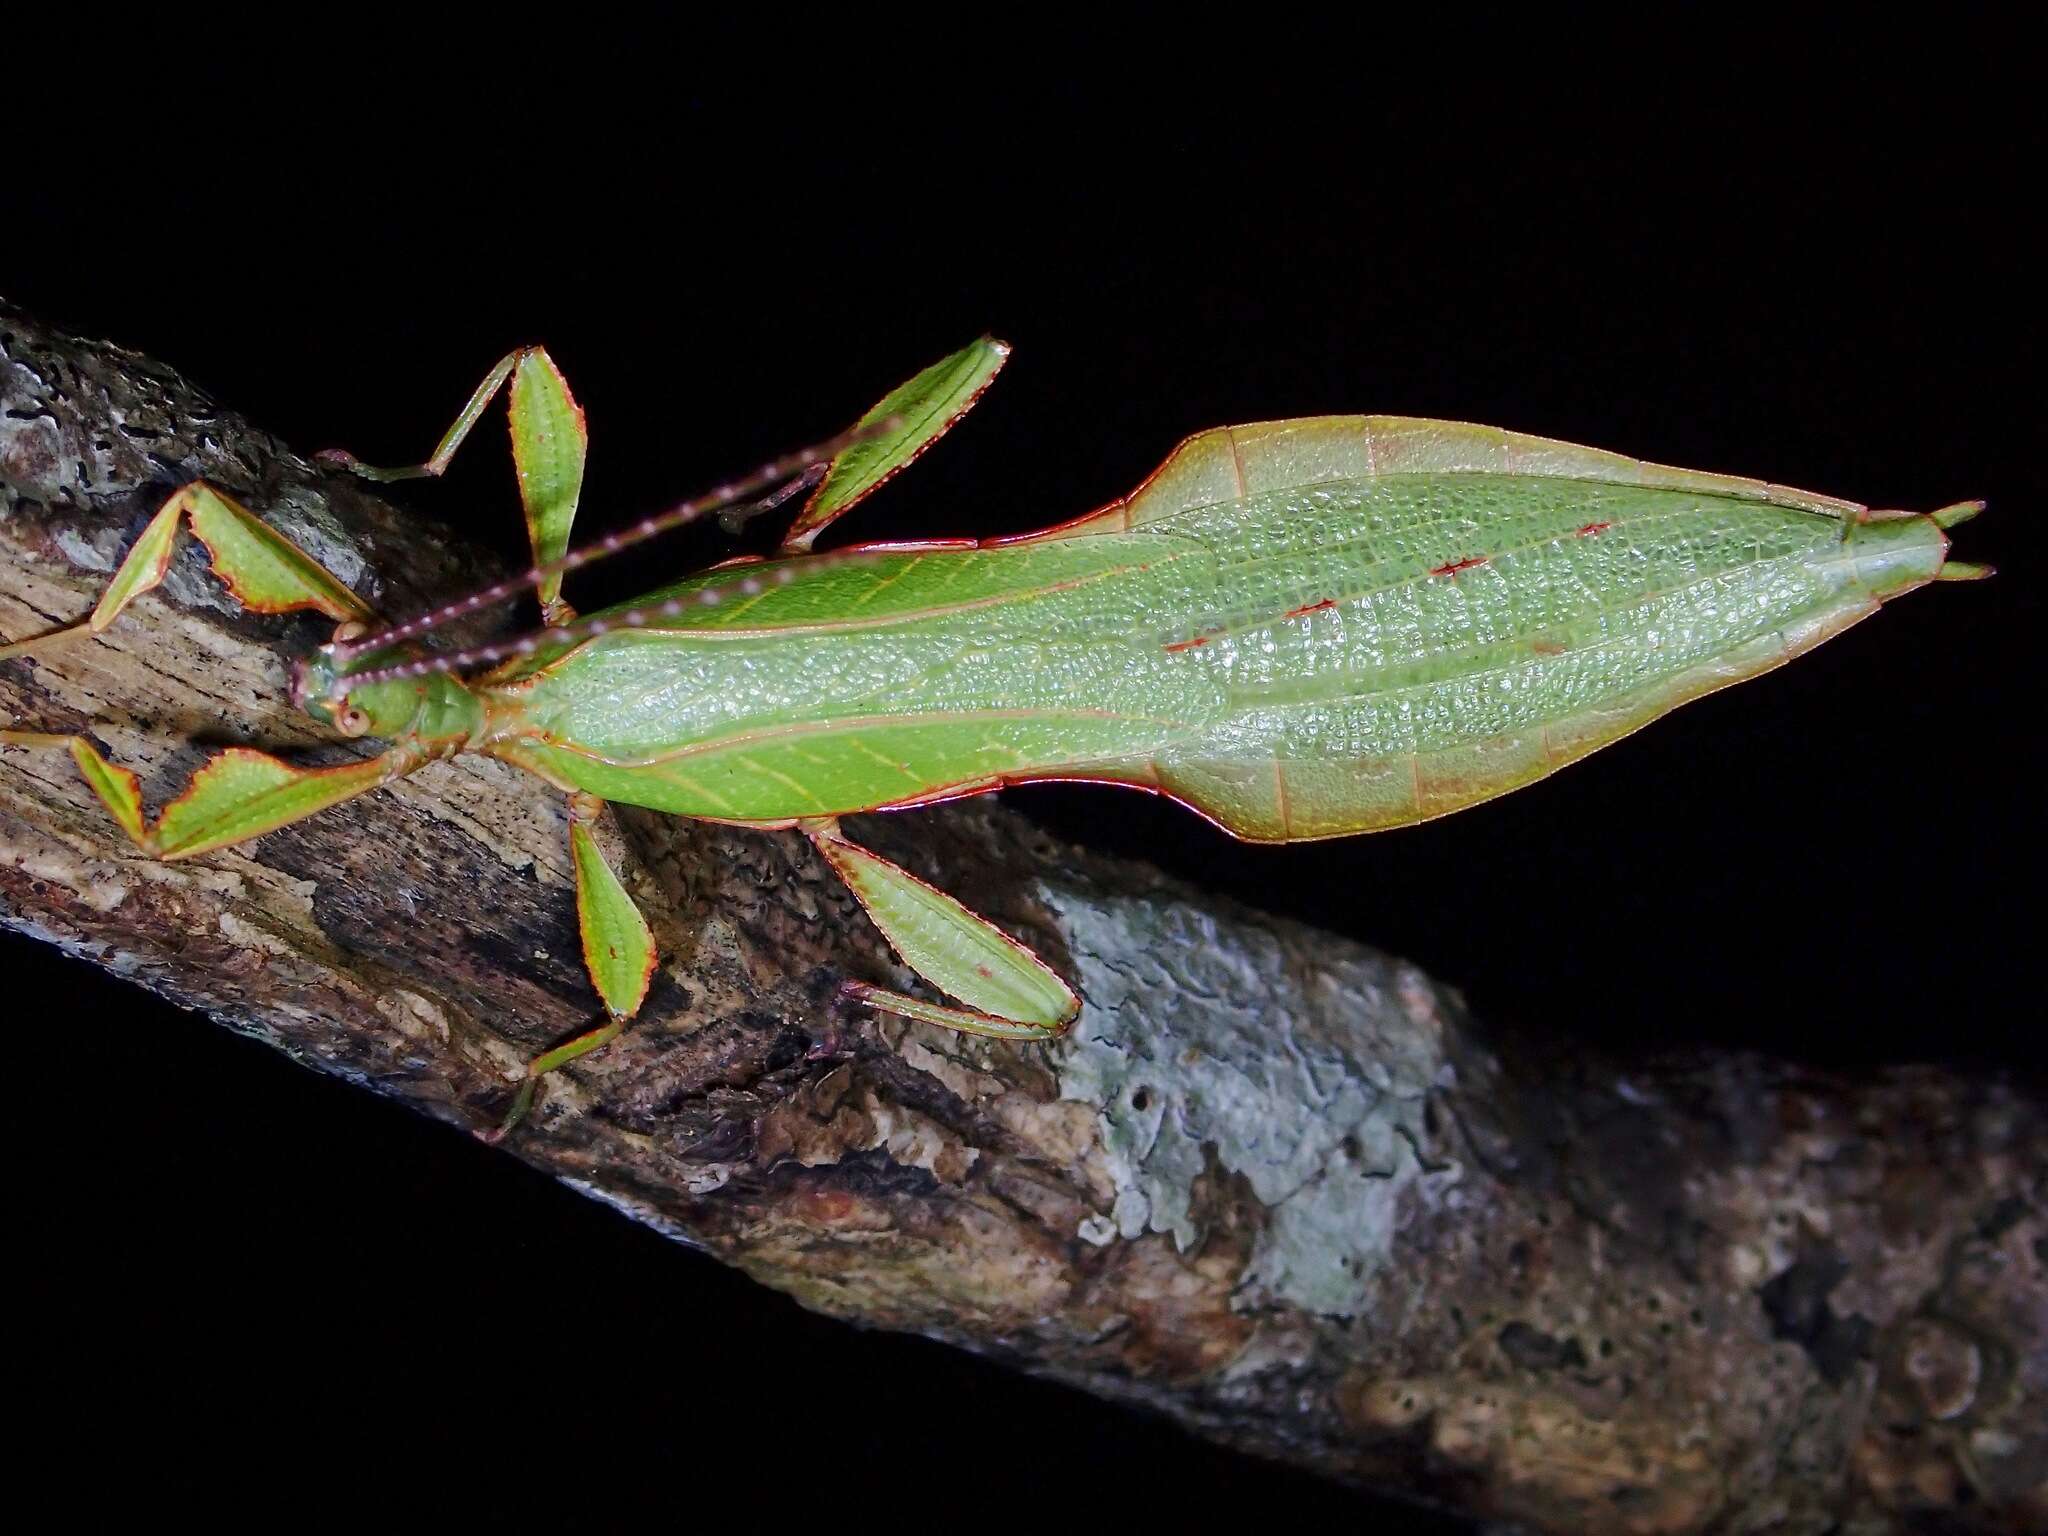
(264,570)
(238,794)
(243,794)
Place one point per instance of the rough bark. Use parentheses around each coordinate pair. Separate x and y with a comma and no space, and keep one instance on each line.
(1276,1185)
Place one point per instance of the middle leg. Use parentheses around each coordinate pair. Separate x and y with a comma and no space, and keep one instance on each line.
(618,952)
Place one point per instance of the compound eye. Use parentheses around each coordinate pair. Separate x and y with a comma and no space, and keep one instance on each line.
(351,721)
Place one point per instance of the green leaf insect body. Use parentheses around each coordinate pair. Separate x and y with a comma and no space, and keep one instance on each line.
(1300,629)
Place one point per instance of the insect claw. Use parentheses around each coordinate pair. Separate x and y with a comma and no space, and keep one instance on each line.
(828,1047)
(522,1103)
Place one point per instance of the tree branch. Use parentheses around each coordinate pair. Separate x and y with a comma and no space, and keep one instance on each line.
(1276,1185)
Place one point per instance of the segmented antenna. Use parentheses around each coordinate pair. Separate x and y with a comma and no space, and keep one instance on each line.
(675,517)
(748,585)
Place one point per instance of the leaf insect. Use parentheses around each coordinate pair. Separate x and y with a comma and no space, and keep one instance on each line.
(1299,629)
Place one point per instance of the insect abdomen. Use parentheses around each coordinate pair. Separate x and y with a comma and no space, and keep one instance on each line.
(1329,659)
(1506,627)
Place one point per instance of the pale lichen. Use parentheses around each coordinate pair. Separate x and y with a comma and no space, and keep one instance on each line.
(1309,1082)
(85,552)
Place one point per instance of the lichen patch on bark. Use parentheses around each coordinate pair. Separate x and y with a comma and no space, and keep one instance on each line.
(1323,1126)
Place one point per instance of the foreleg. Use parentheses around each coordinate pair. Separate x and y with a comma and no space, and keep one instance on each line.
(238,795)
(265,571)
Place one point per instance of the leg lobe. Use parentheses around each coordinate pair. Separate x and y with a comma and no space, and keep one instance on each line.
(1010,993)
(618,951)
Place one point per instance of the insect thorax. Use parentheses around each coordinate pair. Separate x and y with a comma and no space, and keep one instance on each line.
(434,709)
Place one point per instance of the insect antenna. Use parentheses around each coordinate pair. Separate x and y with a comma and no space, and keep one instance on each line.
(683,513)
(749,585)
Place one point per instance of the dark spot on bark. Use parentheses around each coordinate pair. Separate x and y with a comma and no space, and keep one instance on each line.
(1797,1304)
(875,1173)
(2001,1218)
(1141,1099)
(791,1046)
(1534,1350)
(728,1141)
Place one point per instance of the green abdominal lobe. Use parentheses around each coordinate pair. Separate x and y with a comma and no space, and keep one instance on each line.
(1310,780)
(824,769)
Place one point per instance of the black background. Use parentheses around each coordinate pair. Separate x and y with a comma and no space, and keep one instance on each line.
(1788,260)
